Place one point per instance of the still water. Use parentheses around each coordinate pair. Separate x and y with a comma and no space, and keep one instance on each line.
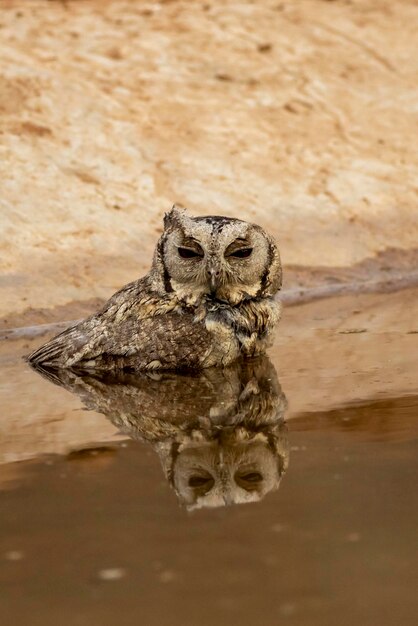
(235,496)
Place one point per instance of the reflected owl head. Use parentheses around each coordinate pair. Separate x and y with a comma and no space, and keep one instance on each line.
(234,468)
(223,258)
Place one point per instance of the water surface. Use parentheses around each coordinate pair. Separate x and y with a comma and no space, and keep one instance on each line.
(207,500)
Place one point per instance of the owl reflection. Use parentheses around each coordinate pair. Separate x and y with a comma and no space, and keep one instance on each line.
(220,434)
(207,301)
(232,467)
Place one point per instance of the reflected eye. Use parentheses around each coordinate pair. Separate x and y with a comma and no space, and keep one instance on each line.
(249,480)
(201,483)
(189,253)
(252,477)
(243,253)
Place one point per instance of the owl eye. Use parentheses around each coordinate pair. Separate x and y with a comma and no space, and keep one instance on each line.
(248,480)
(242,253)
(189,253)
(252,477)
(200,481)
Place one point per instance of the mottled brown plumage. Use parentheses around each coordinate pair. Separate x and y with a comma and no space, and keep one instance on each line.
(207,300)
(220,434)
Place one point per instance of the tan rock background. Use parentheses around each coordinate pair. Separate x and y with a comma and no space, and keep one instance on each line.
(300,115)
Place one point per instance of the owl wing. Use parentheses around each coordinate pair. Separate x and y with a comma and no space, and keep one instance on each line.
(85,339)
(135,327)
(170,341)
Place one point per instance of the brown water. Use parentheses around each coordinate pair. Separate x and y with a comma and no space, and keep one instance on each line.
(197,504)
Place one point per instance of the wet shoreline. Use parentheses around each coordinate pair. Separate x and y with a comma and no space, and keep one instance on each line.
(292,296)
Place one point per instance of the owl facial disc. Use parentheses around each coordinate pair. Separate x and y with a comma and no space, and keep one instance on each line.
(217,258)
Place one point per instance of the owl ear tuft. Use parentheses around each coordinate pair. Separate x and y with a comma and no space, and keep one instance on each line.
(272,280)
(174,216)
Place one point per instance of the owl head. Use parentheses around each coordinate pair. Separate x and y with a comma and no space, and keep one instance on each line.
(214,257)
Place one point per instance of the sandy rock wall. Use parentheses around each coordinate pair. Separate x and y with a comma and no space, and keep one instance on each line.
(301,116)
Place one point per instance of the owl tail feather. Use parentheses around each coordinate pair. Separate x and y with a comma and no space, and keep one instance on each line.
(62,351)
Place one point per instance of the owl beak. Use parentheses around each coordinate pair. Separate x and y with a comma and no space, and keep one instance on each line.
(213,280)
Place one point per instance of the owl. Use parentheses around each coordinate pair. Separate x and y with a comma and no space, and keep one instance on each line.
(220,433)
(208,300)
